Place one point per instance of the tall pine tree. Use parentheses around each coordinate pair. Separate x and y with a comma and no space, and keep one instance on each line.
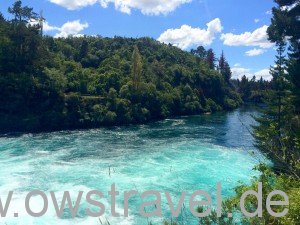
(136,67)
(286,25)
(278,133)
(224,68)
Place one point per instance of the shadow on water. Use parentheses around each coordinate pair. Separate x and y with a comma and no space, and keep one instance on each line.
(228,129)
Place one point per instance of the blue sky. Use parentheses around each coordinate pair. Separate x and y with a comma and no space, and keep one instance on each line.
(180,22)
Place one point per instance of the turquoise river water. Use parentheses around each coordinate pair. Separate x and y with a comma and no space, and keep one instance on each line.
(174,155)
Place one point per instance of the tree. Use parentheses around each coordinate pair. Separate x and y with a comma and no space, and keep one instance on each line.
(278,133)
(286,26)
(211,59)
(83,49)
(244,88)
(222,62)
(227,72)
(200,52)
(2,17)
(273,135)
(159,71)
(136,67)
(25,50)
(22,14)
(224,68)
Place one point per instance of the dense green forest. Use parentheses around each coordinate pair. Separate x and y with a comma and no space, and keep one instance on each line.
(80,82)
(253,90)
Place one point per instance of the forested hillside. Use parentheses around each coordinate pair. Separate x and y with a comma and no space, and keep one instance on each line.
(80,82)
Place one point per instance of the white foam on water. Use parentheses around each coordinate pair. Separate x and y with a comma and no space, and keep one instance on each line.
(172,155)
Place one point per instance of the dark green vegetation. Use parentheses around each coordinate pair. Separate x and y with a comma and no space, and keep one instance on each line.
(252,90)
(277,134)
(82,82)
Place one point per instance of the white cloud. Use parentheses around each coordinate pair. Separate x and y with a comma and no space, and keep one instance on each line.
(71,28)
(187,36)
(48,27)
(237,65)
(269,12)
(148,7)
(256,20)
(255,52)
(265,74)
(74,4)
(258,38)
(239,72)
(289,7)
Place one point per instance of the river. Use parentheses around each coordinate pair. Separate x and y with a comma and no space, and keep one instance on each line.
(174,155)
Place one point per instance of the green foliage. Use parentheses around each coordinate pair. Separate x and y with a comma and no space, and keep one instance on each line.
(285,26)
(137,67)
(211,59)
(255,91)
(200,52)
(213,217)
(170,223)
(271,182)
(21,14)
(79,82)
(211,106)
(274,135)
(277,134)
(224,68)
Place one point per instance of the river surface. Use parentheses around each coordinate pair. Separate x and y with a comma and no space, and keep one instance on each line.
(174,155)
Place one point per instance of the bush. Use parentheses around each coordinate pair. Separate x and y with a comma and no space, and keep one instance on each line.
(211,106)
